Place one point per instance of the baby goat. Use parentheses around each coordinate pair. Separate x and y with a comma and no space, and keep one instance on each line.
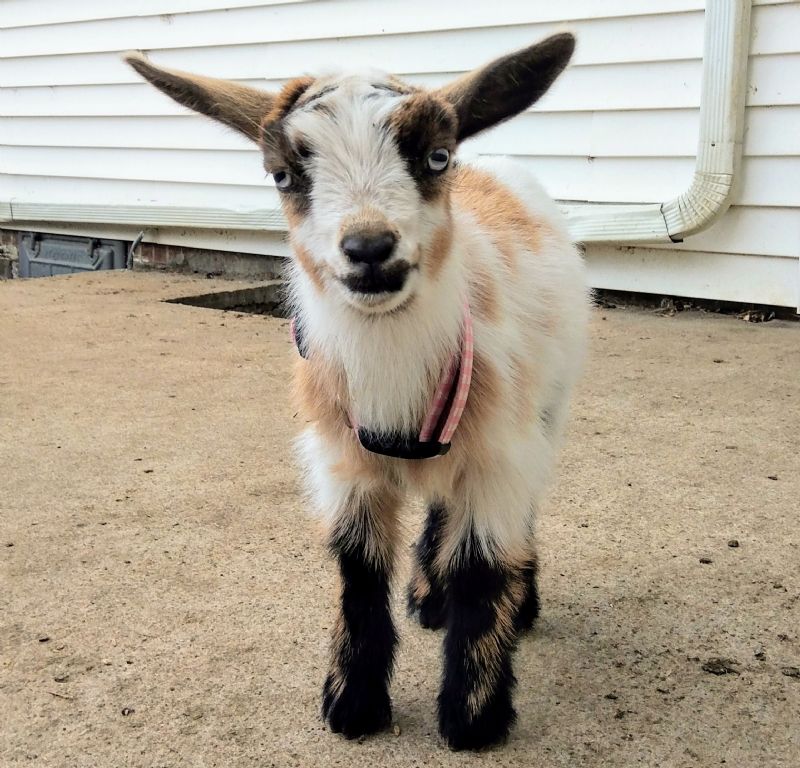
(440,312)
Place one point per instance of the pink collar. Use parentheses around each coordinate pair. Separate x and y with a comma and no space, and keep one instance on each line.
(443,415)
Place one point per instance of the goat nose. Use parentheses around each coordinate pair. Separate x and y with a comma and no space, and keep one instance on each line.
(371,248)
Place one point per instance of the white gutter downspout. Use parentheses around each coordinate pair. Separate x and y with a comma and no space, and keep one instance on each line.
(725,53)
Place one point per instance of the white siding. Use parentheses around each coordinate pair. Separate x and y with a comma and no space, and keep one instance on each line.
(77,126)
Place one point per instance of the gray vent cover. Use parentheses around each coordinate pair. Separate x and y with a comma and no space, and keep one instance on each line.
(42,255)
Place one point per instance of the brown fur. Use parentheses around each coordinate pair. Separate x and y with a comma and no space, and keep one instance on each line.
(366,221)
(237,106)
(484,295)
(498,210)
(368,518)
(439,250)
(508,85)
(421,124)
(339,649)
(306,260)
(287,98)
(488,650)
(419,585)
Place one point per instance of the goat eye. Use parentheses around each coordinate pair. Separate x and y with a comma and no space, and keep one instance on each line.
(438,160)
(283,180)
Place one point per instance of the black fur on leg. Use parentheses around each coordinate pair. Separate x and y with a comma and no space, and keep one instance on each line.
(475,702)
(426,592)
(355,697)
(529,610)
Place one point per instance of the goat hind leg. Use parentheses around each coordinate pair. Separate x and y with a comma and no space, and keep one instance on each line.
(426,590)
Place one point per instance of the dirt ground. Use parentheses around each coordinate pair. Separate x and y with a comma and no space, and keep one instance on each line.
(165,600)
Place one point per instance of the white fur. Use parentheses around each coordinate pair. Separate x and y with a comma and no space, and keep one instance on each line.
(392,358)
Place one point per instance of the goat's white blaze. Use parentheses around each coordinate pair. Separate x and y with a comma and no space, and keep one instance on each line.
(357,171)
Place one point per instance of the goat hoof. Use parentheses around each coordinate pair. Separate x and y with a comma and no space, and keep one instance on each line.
(356,710)
(430,612)
(490,727)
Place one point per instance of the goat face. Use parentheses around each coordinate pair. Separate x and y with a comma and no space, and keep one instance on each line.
(362,165)
(362,162)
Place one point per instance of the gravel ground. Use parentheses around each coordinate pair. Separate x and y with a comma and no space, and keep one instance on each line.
(166,600)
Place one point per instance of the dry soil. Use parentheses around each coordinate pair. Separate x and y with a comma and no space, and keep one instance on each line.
(166,601)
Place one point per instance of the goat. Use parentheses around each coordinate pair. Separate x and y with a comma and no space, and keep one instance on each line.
(413,274)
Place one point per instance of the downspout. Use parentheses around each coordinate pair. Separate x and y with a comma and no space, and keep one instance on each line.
(722,111)
(725,53)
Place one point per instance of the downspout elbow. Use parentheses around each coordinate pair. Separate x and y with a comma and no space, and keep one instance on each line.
(707,198)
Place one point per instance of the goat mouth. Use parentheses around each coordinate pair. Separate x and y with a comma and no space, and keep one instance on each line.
(374,279)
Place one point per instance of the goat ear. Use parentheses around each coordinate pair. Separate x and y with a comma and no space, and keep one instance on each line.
(237,106)
(506,86)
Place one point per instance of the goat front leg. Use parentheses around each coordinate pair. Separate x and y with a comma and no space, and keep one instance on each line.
(487,588)
(355,699)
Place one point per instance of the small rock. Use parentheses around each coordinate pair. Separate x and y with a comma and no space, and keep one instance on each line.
(760,654)
(106,662)
(9,543)
(127,711)
(718,360)
(772,477)
(791,672)
(612,696)
(396,730)
(733,543)
(706,560)
(717,666)
(43,638)
(61,677)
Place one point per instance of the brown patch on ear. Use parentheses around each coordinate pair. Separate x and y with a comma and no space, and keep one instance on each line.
(287,98)
(401,87)
(421,123)
(484,296)
(506,86)
(498,210)
(237,106)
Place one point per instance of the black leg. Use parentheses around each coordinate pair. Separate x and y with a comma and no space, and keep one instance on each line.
(426,593)
(355,698)
(529,610)
(475,703)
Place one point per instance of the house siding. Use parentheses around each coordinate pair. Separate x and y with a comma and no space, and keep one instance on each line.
(77,126)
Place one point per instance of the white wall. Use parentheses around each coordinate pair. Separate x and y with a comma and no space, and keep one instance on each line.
(78,127)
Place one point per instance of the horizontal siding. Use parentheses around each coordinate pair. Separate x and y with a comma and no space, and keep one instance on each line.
(620,126)
(766,181)
(770,132)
